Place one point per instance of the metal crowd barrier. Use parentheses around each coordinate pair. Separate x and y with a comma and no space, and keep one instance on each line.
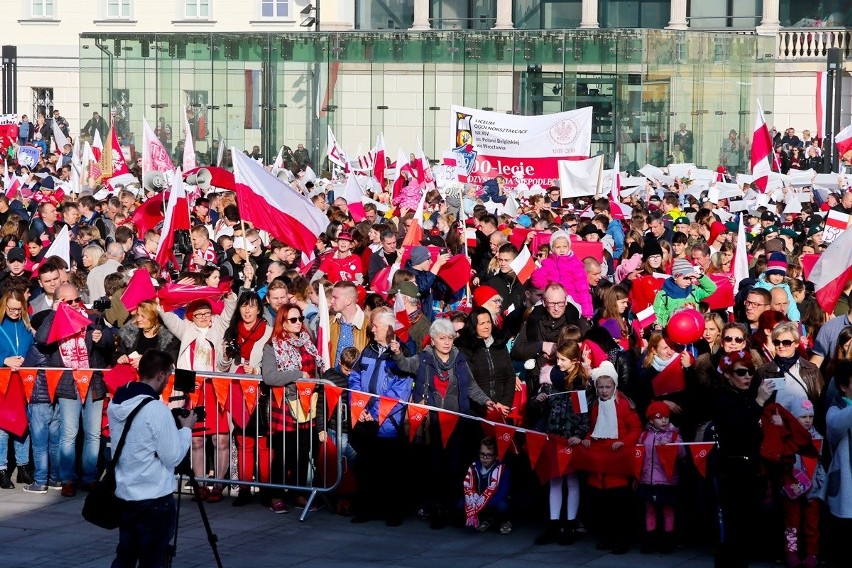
(258,436)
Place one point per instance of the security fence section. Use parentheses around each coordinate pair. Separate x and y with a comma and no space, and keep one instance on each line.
(267,90)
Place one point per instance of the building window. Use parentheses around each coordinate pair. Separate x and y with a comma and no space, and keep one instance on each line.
(274,8)
(197,9)
(118,9)
(722,15)
(387,15)
(43,9)
(42,102)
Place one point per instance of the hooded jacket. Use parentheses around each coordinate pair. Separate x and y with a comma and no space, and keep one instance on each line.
(672,297)
(567,270)
(377,372)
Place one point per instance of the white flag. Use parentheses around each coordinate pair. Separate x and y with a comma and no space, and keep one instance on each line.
(581,177)
(188,146)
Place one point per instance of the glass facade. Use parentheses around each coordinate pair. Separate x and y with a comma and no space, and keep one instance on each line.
(273,89)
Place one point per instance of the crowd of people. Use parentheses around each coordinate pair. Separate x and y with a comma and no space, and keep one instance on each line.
(767,379)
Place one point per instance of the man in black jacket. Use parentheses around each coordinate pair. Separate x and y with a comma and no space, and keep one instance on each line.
(510,289)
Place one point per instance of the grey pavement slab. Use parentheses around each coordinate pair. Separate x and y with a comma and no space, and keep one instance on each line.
(47,531)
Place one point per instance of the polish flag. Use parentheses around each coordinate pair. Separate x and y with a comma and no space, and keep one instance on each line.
(324,329)
(155,158)
(424,170)
(761,150)
(403,322)
(414,234)
(579,402)
(336,155)
(97,145)
(615,189)
(188,146)
(353,193)
(523,265)
(832,271)
(453,160)
(379,160)
(402,165)
(646,317)
(58,137)
(838,220)
(279,161)
(12,187)
(820,103)
(274,206)
(61,246)
(843,139)
(740,255)
(176,218)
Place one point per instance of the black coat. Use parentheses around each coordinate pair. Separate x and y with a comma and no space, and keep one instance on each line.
(491,368)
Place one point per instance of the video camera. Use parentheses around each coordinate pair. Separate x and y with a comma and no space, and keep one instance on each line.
(185,382)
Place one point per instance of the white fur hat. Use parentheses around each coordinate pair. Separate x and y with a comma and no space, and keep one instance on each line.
(606,369)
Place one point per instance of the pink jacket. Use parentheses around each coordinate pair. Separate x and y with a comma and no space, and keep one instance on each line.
(568,271)
(653,472)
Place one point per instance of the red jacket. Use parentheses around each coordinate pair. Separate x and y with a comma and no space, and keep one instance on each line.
(629,430)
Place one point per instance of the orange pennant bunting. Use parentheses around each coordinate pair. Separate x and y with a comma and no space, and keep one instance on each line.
(668,457)
(53,377)
(221,388)
(249,395)
(386,406)
(504,435)
(535,444)
(448,423)
(564,455)
(699,456)
(82,379)
(359,401)
(168,389)
(306,391)
(28,377)
(5,375)
(332,397)
(416,415)
(278,395)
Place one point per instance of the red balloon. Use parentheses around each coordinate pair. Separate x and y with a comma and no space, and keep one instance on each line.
(685,326)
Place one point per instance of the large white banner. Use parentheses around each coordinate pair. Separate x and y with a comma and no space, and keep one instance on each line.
(519,147)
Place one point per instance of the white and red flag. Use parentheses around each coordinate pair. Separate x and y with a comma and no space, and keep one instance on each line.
(820,103)
(403,321)
(402,165)
(424,170)
(843,139)
(615,189)
(579,402)
(336,155)
(379,159)
(324,329)
(646,317)
(832,271)
(353,193)
(176,218)
(272,205)
(455,161)
(414,234)
(523,265)
(761,151)
(60,138)
(155,157)
(97,145)
(188,145)
(278,164)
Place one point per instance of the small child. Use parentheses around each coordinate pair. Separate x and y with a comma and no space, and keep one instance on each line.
(775,276)
(486,490)
(657,489)
(340,377)
(564,267)
(803,485)
(615,427)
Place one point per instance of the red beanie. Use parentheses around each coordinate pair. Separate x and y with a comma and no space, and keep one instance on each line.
(657,409)
(483,294)
(716,229)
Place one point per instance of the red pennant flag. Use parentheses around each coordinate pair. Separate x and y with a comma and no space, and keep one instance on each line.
(416,415)
(518,237)
(448,423)
(668,457)
(504,435)
(519,404)
(808,261)
(53,377)
(82,379)
(456,272)
(66,322)
(535,444)
(149,214)
(638,461)
(221,388)
(358,404)
(699,456)
(306,393)
(249,395)
(119,376)
(332,397)
(167,390)
(670,379)
(278,395)
(564,455)
(818,444)
(386,405)
(13,408)
(28,377)
(138,289)
(723,297)
(5,376)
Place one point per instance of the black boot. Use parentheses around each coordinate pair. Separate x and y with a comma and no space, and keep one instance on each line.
(667,543)
(569,533)
(649,543)
(6,480)
(551,534)
(25,474)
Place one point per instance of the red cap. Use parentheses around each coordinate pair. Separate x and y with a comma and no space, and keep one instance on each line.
(657,409)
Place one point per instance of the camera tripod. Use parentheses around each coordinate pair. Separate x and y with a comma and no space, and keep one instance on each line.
(185,469)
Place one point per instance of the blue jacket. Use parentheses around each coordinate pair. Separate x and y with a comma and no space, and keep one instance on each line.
(15,339)
(492,192)
(378,373)
(792,308)
(616,231)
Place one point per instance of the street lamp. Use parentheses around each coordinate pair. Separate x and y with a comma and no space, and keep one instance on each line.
(309,20)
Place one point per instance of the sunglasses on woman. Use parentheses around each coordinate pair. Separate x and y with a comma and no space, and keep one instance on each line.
(296,320)
(784,342)
(730,339)
(743,372)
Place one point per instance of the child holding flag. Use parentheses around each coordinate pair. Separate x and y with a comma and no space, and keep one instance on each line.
(560,416)
(660,476)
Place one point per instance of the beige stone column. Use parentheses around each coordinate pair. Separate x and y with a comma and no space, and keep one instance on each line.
(677,17)
(421,16)
(769,22)
(589,19)
(504,15)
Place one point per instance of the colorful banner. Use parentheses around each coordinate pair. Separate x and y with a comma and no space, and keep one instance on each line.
(28,156)
(524,148)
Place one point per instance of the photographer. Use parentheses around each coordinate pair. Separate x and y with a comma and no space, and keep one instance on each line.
(144,475)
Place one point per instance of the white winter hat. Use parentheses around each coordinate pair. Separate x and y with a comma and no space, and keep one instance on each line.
(606,369)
